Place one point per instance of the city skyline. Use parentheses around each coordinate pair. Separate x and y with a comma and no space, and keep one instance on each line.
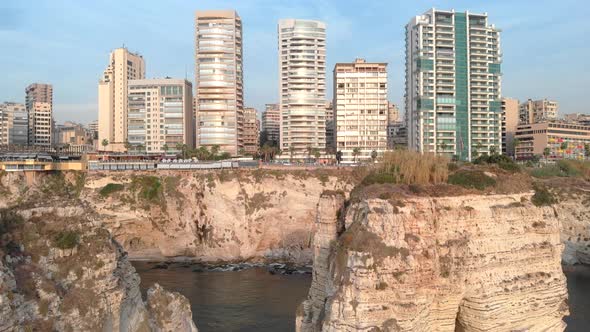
(535,64)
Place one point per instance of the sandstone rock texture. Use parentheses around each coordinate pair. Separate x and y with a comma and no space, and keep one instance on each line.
(61,271)
(468,263)
(214,216)
(573,211)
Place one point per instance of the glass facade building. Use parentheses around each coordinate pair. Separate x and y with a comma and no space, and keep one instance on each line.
(453,86)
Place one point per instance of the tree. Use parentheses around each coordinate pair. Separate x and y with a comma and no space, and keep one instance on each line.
(178,147)
(374,155)
(587,150)
(443,146)
(241,151)
(127,145)
(546,153)
(564,146)
(165,147)
(309,151)
(104,143)
(493,150)
(515,144)
(316,154)
(356,152)
(338,156)
(214,150)
(291,152)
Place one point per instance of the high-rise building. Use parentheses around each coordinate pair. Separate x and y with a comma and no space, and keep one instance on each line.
(219,74)
(112,97)
(509,125)
(14,124)
(533,111)
(330,128)
(39,106)
(453,86)
(160,115)
(251,131)
(360,109)
(271,123)
(302,85)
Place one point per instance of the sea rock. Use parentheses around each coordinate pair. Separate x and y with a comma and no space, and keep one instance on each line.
(468,263)
(68,274)
(169,311)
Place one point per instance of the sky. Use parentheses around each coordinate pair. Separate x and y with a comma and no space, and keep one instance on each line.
(546,44)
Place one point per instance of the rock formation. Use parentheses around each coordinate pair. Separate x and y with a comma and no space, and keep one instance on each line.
(468,263)
(61,271)
(212,216)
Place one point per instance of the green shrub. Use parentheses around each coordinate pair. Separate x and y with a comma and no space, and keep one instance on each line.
(66,240)
(563,168)
(111,188)
(150,188)
(471,179)
(547,171)
(542,196)
(378,178)
(509,166)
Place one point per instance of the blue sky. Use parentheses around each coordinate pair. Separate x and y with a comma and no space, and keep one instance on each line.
(546,44)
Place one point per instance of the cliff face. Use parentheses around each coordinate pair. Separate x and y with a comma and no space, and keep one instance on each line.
(469,263)
(573,211)
(216,216)
(60,270)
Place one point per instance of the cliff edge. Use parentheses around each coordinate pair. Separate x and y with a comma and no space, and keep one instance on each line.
(464,263)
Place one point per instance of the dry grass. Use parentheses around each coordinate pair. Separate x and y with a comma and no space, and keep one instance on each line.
(408,167)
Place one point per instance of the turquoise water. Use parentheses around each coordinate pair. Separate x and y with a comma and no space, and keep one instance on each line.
(256,300)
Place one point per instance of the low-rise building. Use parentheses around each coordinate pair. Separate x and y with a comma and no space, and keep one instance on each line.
(251,131)
(533,111)
(564,140)
(14,124)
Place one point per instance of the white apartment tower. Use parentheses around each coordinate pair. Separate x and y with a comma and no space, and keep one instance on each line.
(453,90)
(160,115)
(219,96)
(112,97)
(302,85)
(39,106)
(360,109)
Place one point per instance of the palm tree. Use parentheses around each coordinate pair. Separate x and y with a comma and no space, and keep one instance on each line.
(104,143)
(355,153)
(444,146)
(214,150)
(127,145)
(309,152)
(338,156)
(515,144)
(374,155)
(165,147)
(546,153)
(291,152)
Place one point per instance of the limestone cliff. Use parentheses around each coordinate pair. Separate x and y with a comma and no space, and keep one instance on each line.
(466,263)
(61,271)
(573,210)
(213,216)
